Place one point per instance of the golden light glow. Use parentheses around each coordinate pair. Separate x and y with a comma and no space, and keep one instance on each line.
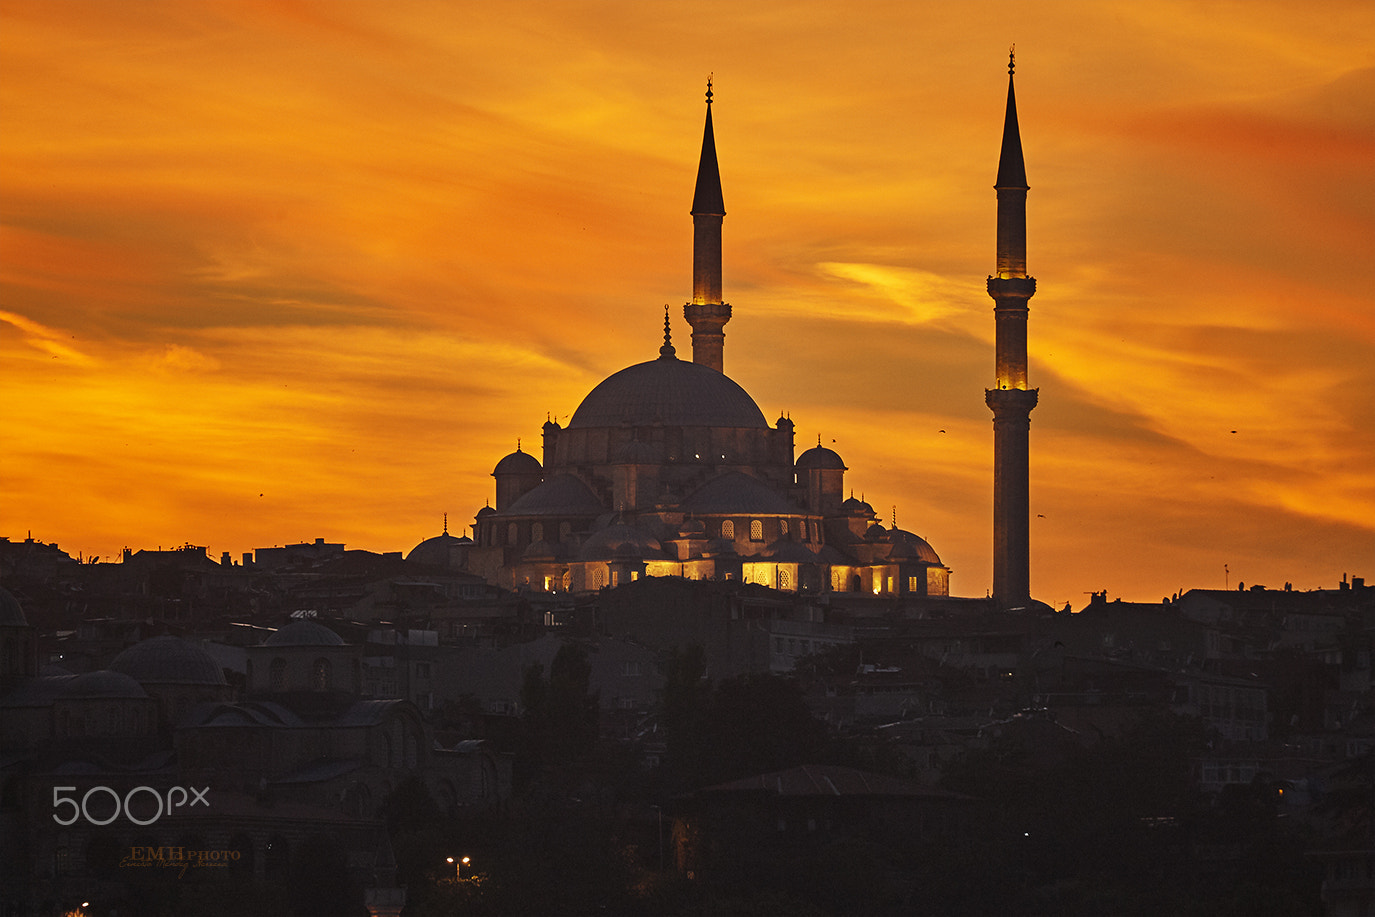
(279,271)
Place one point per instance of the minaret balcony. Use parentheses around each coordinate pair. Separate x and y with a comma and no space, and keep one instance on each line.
(1011,287)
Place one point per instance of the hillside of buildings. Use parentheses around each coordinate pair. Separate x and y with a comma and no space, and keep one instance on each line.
(357,721)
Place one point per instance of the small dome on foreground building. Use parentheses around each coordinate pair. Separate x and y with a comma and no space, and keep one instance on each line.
(103,684)
(168,660)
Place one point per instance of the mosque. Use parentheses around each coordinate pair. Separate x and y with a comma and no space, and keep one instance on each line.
(669,468)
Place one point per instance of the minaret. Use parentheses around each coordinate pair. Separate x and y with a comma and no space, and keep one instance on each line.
(707,314)
(1011,402)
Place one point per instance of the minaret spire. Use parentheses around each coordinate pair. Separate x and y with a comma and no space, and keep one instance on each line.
(707,314)
(1011,401)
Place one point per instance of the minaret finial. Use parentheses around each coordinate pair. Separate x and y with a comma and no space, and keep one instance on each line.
(446,523)
(1011,58)
(517,443)
(709,75)
(667,351)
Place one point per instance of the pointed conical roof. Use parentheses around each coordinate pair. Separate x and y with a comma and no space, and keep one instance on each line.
(1011,167)
(707,198)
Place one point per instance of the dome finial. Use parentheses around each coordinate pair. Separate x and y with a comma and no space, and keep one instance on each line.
(667,352)
(446,523)
(709,76)
(1011,58)
(517,443)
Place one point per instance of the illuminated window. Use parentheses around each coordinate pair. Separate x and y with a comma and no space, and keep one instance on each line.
(782,579)
(783,526)
(597,578)
(728,530)
(567,580)
(756,530)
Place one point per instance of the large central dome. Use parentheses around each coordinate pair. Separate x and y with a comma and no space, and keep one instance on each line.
(669,391)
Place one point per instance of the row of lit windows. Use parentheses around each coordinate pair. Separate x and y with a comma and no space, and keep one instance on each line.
(727,531)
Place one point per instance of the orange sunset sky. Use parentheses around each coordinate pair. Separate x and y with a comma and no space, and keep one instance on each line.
(274,271)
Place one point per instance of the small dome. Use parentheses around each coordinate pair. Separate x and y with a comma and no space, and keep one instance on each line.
(304,633)
(168,660)
(853,507)
(820,457)
(11,615)
(692,528)
(439,551)
(906,544)
(518,463)
(876,532)
(484,512)
(610,542)
(104,684)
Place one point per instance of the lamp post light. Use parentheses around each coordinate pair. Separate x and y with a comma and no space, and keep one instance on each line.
(458,866)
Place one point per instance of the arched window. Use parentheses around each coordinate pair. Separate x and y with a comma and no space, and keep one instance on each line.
(565,530)
(597,578)
(782,579)
(321,675)
(277,675)
(567,580)
(783,526)
(537,532)
(728,530)
(756,530)
(511,533)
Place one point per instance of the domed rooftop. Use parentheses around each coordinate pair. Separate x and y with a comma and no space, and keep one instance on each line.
(518,463)
(852,507)
(304,633)
(670,391)
(543,550)
(620,540)
(103,684)
(907,544)
(440,551)
(11,615)
(560,495)
(736,493)
(168,660)
(820,457)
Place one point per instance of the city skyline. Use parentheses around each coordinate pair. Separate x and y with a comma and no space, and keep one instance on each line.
(274,272)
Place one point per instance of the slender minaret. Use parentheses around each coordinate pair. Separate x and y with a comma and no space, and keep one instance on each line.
(707,314)
(1011,402)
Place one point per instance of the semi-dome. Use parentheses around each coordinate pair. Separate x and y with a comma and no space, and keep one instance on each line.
(669,391)
(736,493)
(304,633)
(103,684)
(620,541)
(820,457)
(11,614)
(560,495)
(518,463)
(168,660)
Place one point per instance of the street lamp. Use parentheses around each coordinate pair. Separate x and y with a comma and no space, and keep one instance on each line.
(458,866)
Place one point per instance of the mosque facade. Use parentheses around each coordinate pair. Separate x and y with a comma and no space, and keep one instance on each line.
(669,468)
